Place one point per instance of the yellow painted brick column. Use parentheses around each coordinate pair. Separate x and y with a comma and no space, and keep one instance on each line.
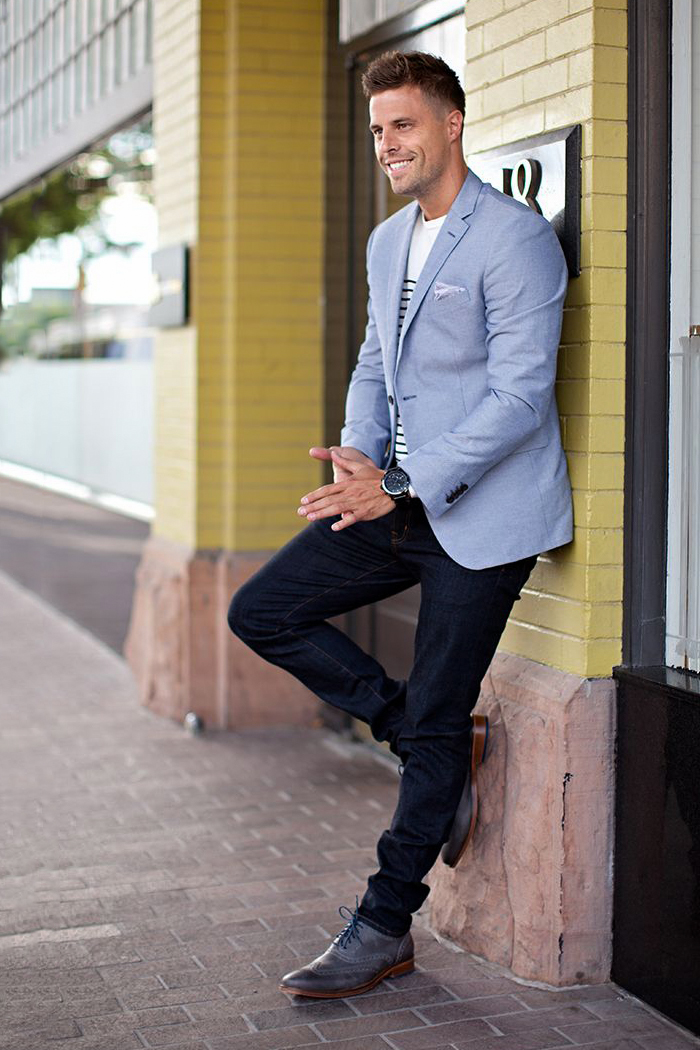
(534,67)
(258,293)
(238,120)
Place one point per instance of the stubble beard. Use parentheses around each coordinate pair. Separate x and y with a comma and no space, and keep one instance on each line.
(422,182)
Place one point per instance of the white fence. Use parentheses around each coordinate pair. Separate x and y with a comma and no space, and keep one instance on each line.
(87,421)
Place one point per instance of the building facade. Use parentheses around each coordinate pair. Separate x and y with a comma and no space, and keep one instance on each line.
(266,180)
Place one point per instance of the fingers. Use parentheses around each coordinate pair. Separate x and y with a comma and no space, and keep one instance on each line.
(345,520)
(322,493)
(320,453)
(325,507)
(324,512)
(348,464)
(358,498)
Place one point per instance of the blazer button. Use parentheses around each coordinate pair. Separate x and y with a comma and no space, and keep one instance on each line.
(391,400)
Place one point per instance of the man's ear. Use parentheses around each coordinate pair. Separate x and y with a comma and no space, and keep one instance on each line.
(455,123)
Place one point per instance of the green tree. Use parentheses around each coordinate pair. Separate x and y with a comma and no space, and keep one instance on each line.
(69,200)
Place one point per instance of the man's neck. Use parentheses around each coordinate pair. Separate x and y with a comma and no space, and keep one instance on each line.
(440,200)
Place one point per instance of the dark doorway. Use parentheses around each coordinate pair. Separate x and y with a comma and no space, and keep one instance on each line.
(656,911)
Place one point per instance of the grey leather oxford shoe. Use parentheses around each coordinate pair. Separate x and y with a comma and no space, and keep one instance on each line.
(358,959)
(464,824)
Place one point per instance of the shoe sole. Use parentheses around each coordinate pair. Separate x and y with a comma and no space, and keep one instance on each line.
(392,971)
(480,737)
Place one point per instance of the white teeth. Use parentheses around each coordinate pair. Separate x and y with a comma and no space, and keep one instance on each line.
(398,164)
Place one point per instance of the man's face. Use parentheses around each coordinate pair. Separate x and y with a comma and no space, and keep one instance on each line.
(412,138)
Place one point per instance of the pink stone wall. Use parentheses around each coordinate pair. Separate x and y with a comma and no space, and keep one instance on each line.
(534,890)
(183,654)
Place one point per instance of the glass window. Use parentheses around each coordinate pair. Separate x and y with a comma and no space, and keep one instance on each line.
(55,25)
(149,30)
(68,14)
(26,122)
(6,81)
(56,81)
(106,60)
(36,56)
(79,82)
(36,115)
(17,64)
(66,92)
(118,50)
(133,41)
(80,49)
(90,74)
(44,50)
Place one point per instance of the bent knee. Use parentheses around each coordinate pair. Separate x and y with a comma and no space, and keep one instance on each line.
(247,617)
(240,615)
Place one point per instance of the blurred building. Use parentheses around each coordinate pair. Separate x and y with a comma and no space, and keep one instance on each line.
(72,71)
(588,856)
(76,383)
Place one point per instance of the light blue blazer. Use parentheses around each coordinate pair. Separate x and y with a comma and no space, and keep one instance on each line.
(472,376)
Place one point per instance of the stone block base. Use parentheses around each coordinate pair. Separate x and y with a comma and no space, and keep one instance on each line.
(183,654)
(533,892)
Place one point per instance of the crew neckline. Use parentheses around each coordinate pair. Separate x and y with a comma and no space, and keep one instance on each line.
(432,223)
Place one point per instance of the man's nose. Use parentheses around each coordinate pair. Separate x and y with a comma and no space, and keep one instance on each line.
(388,142)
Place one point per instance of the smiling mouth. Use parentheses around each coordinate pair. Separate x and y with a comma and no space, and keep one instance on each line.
(398,165)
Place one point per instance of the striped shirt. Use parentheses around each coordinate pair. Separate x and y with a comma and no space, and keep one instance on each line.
(422,240)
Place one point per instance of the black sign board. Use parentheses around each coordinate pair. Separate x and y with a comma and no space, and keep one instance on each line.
(171,269)
(544,172)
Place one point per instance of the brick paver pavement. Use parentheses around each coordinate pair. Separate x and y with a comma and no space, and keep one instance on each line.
(154,886)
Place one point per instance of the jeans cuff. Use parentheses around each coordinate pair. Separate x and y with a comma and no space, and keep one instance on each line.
(382,929)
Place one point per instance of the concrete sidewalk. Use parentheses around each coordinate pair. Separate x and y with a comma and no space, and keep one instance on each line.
(154,886)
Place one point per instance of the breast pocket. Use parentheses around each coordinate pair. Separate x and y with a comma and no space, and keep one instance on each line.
(444,299)
(457,318)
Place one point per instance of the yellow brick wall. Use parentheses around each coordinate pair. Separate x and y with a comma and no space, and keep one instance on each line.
(534,67)
(176,131)
(250,76)
(277,136)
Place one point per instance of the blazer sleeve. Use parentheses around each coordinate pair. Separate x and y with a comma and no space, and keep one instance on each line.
(367,421)
(525,281)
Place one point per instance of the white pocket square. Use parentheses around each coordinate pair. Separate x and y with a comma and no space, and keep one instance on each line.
(444,291)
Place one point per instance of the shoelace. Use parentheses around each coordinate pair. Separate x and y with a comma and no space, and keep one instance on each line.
(351,929)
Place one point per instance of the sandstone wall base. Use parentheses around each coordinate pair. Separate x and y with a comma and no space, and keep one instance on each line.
(533,892)
(183,654)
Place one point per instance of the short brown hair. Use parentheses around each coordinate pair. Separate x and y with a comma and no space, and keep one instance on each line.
(396,69)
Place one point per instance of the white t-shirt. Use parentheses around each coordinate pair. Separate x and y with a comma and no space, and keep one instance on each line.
(422,240)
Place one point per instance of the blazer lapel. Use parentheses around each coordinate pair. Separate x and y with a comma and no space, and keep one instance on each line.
(453,229)
(395,284)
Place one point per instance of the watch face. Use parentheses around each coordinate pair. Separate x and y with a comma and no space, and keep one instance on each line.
(396,482)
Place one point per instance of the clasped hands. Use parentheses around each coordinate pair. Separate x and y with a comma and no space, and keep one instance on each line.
(356,493)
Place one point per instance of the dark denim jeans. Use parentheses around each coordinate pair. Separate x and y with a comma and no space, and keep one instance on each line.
(282,613)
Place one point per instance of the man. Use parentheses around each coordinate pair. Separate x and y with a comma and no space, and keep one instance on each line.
(453,392)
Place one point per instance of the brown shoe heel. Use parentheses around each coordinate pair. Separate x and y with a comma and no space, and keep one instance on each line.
(480,736)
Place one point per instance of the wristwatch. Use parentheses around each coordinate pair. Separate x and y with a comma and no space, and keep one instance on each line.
(396,483)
